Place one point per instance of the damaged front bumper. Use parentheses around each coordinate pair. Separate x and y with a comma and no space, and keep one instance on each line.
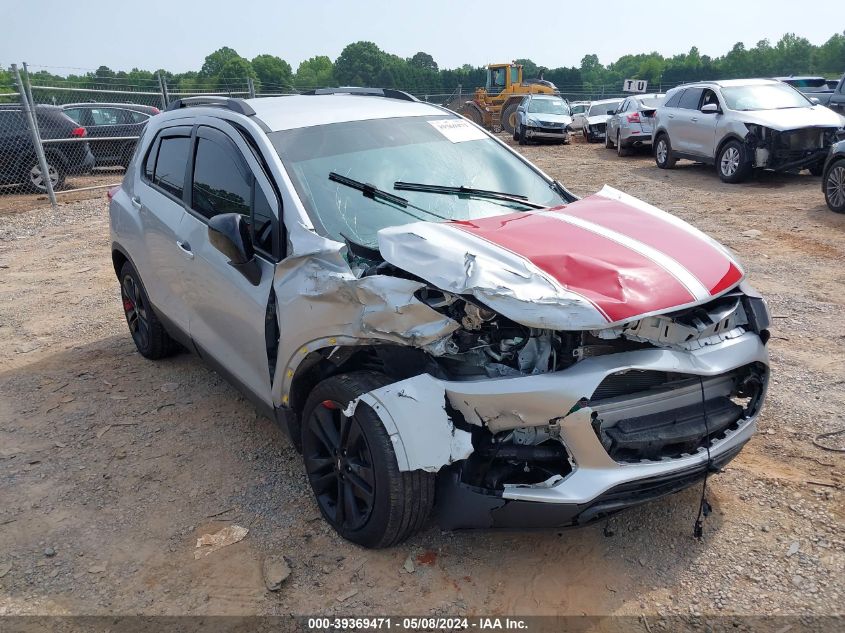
(789,150)
(628,427)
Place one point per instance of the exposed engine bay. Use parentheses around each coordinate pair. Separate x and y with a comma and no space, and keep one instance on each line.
(636,415)
(791,149)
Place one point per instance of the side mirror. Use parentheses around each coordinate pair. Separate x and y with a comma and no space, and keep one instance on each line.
(710,108)
(229,234)
(814,100)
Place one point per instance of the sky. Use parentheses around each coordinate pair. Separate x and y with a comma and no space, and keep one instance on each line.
(178,34)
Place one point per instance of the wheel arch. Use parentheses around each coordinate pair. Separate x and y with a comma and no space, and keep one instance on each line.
(731,136)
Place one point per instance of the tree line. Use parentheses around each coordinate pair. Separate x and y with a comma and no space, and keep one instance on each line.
(365,64)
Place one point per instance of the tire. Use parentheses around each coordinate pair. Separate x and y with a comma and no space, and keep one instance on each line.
(509,118)
(472,114)
(148,333)
(586,135)
(31,174)
(521,135)
(834,186)
(663,152)
(621,150)
(516,132)
(607,142)
(383,505)
(731,163)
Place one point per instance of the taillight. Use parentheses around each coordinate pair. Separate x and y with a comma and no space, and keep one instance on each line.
(634,117)
(155,110)
(111,192)
(79,132)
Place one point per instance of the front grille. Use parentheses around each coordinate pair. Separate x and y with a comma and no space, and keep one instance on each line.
(670,433)
(628,382)
(650,415)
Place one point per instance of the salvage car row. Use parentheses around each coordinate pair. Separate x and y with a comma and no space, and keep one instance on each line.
(76,137)
(737,126)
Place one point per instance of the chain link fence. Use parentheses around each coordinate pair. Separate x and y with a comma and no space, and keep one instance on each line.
(66,135)
(62,136)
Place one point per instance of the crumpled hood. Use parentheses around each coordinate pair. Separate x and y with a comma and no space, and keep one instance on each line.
(598,118)
(794,118)
(603,260)
(563,119)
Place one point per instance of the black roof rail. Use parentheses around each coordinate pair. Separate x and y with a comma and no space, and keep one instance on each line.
(389,93)
(230,103)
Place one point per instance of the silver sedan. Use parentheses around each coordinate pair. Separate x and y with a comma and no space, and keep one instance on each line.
(631,124)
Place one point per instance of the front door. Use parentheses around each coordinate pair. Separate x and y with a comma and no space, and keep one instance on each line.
(228,314)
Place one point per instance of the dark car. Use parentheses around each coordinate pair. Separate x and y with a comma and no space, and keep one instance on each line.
(111,121)
(833,178)
(66,151)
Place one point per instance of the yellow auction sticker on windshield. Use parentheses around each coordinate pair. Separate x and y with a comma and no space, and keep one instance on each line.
(458,130)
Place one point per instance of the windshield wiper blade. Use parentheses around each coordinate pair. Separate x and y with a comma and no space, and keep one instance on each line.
(467,191)
(368,190)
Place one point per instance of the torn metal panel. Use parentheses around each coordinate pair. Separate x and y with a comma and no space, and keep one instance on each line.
(413,412)
(603,260)
(322,304)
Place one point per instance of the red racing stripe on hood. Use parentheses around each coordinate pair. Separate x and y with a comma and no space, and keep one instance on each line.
(712,266)
(619,281)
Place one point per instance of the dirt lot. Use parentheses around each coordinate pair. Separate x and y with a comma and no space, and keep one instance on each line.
(111,466)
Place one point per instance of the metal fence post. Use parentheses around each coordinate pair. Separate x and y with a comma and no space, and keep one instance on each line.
(36,138)
(162,86)
(250,86)
(29,96)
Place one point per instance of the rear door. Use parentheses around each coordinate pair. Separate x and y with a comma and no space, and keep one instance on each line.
(159,197)
(228,315)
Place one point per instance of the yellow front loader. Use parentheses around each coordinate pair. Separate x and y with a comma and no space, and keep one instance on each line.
(494,105)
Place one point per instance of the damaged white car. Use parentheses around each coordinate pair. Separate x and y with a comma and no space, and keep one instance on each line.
(440,327)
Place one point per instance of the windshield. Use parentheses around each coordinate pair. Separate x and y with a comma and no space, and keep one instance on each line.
(764,97)
(548,106)
(433,150)
(604,108)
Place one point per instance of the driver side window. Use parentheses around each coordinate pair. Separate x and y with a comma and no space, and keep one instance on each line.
(223,183)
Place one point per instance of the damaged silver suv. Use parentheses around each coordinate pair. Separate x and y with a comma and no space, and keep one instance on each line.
(740,125)
(438,325)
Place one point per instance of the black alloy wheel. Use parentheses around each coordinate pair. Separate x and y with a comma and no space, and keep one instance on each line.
(136,310)
(339,464)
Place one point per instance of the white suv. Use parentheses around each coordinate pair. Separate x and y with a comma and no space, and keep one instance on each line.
(435,322)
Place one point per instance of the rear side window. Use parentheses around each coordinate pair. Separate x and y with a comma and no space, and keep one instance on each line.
(221,182)
(672,102)
(75,114)
(137,117)
(169,173)
(691,98)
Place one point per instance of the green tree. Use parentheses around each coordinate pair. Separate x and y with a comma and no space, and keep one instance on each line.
(424,61)
(360,62)
(317,72)
(214,63)
(234,73)
(273,72)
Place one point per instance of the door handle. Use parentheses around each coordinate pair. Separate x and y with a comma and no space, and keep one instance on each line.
(694,119)
(671,116)
(186,249)
(136,202)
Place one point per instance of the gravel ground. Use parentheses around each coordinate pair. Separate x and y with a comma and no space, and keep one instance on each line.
(112,466)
